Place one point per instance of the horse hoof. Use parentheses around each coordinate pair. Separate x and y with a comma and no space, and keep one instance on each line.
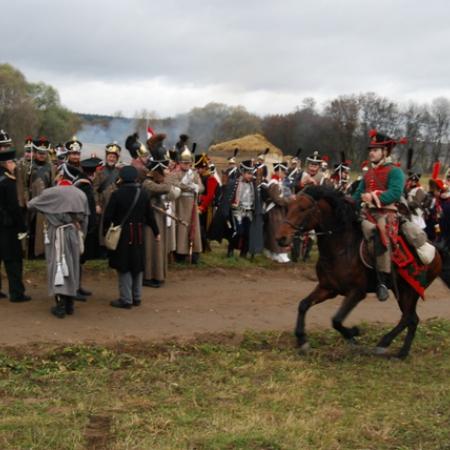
(355,331)
(380,350)
(304,348)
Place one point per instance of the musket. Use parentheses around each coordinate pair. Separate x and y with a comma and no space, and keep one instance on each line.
(192,227)
(175,218)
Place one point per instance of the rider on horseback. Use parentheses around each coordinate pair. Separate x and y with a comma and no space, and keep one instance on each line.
(379,191)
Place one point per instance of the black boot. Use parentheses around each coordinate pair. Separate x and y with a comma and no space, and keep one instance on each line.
(152,283)
(120,304)
(180,258)
(84,292)
(382,287)
(59,310)
(69,305)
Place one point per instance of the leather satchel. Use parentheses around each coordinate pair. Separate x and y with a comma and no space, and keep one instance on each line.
(114,232)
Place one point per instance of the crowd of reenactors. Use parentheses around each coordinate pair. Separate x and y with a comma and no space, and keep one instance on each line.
(170,205)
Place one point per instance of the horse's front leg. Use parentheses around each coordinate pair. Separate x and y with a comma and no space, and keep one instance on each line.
(318,295)
(350,301)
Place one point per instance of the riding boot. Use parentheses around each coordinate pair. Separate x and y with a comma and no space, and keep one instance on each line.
(382,287)
(59,310)
(382,277)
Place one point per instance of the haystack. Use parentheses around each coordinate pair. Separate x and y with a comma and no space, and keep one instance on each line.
(249,147)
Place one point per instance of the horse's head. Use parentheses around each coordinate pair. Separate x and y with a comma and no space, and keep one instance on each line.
(303,215)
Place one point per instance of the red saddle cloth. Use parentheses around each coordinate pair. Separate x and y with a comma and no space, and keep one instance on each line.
(408,266)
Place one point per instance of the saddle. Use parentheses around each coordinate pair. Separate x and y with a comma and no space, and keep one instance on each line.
(405,259)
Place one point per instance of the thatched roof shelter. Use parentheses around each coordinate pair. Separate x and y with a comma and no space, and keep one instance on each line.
(249,147)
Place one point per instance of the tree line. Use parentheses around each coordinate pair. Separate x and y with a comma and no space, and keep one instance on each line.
(341,125)
(32,109)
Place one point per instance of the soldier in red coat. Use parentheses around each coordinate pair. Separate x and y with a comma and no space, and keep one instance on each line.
(206,199)
(379,191)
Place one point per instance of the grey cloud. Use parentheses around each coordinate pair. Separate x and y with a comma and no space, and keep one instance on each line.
(283,46)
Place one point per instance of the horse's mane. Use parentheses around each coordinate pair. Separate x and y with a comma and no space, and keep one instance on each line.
(343,209)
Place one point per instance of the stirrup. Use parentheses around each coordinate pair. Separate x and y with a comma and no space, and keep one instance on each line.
(382,292)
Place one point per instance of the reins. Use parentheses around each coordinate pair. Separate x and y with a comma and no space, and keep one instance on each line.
(299,228)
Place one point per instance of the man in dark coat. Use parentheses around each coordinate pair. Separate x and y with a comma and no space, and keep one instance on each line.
(91,243)
(130,206)
(12,226)
(239,216)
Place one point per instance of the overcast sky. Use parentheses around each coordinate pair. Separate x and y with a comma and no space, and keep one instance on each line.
(171,55)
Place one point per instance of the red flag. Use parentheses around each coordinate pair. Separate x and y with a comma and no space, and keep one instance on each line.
(436,170)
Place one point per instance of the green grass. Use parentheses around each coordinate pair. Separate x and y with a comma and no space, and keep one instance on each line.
(256,394)
(217,258)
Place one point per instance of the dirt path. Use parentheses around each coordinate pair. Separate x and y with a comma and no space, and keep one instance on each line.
(192,302)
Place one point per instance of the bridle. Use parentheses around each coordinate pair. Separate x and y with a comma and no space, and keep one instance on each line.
(299,229)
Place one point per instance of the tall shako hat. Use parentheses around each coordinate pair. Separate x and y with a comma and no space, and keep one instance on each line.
(5,140)
(41,145)
(74,145)
(70,172)
(114,147)
(412,175)
(315,158)
(136,148)
(201,161)
(183,139)
(232,159)
(28,144)
(296,157)
(343,165)
(186,155)
(247,165)
(89,165)
(7,155)
(280,165)
(158,165)
(61,151)
(378,140)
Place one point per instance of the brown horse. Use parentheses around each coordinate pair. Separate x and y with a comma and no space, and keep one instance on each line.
(340,270)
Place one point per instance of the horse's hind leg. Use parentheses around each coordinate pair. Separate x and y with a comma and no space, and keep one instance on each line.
(318,295)
(410,319)
(348,304)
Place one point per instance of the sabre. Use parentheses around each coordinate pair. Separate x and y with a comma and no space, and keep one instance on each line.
(175,218)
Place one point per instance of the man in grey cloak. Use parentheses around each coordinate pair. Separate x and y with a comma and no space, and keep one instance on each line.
(66,210)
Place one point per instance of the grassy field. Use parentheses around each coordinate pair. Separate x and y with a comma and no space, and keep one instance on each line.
(257,393)
(217,259)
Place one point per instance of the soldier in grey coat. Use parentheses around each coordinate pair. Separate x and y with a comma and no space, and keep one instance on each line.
(66,211)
